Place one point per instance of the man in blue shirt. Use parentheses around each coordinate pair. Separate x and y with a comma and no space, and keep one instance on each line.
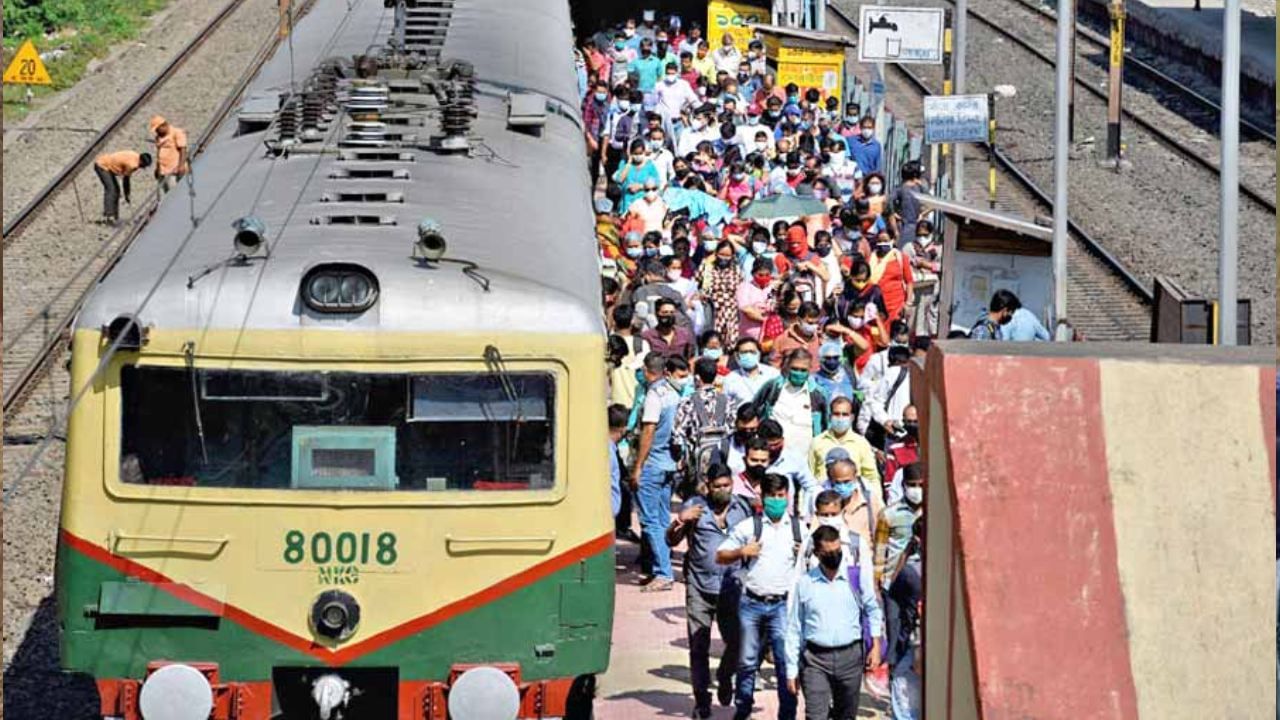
(1024,326)
(711,591)
(656,468)
(648,69)
(618,415)
(824,653)
(865,148)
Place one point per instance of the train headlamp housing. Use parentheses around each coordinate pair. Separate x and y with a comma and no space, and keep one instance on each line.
(335,615)
(339,288)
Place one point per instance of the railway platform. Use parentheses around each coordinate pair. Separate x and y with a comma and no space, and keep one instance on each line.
(648,674)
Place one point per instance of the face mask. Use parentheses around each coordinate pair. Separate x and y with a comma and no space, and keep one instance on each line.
(762,146)
(651,252)
(748,360)
(914,494)
(723,263)
(830,561)
(624,106)
(860,284)
(772,114)
(775,508)
(712,353)
(851,119)
(1006,319)
(665,251)
(637,160)
(874,188)
(857,323)
(831,364)
(669,79)
(758,247)
(655,145)
(629,32)
(882,250)
(833,521)
(674,275)
(710,245)
(646,52)
(924,239)
(666,321)
(823,250)
(755,473)
(820,194)
(793,99)
(602,96)
(808,328)
(868,133)
(743,77)
(682,173)
(720,498)
(651,195)
(699,124)
(843,489)
(841,425)
(634,252)
(762,281)
(797,377)
(619,45)
(678,384)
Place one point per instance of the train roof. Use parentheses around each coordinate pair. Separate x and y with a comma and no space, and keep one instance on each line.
(517,205)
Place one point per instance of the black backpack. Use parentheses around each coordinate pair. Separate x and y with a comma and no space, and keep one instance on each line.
(757,522)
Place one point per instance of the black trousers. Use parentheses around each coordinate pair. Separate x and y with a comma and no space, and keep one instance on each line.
(612,159)
(110,193)
(831,681)
(701,610)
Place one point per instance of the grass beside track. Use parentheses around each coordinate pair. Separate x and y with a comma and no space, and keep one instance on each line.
(79,30)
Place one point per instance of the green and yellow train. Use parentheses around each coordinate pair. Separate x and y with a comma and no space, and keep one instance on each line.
(341,451)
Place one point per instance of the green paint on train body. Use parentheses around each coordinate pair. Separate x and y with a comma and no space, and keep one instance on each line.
(557,627)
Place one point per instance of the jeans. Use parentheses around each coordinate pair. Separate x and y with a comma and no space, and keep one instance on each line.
(701,609)
(655,515)
(904,689)
(110,193)
(761,620)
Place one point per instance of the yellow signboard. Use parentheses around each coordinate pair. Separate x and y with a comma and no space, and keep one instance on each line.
(731,17)
(27,68)
(826,77)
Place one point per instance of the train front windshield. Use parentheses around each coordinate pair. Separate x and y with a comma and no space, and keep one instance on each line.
(338,430)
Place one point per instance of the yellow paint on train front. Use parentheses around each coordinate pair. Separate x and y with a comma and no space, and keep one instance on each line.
(235,539)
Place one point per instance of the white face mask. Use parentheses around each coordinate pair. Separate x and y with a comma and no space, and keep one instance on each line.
(924,239)
(834,521)
(762,146)
(874,188)
(665,251)
(674,275)
(710,245)
(670,79)
(914,495)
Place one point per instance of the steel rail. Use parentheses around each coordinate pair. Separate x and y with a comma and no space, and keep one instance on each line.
(1133,61)
(1090,243)
(13,229)
(1160,134)
(20,390)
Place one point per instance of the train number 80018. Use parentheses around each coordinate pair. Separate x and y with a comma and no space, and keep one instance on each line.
(347,548)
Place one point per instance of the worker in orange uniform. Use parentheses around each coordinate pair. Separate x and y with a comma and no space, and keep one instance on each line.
(171,152)
(111,169)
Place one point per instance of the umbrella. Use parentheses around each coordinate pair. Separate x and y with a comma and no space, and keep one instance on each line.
(783,206)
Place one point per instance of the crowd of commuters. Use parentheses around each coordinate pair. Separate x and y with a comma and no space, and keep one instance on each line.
(766,292)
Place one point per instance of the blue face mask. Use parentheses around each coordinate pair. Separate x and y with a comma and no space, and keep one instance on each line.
(651,252)
(748,360)
(841,425)
(635,252)
(712,353)
(844,489)
(601,96)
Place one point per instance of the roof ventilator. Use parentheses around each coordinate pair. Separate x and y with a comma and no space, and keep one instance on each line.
(369,174)
(362,220)
(363,197)
(426,23)
(374,156)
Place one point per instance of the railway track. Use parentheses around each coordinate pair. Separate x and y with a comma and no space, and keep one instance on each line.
(1106,301)
(34,345)
(1202,110)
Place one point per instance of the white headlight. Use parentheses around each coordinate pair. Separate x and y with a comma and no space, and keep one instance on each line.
(483,693)
(176,692)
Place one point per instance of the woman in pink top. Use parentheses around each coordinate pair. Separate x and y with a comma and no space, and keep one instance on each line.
(737,185)
(755,299)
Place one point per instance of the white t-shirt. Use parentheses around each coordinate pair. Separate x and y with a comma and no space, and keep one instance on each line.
(774,570)
(794,411)
(674,97)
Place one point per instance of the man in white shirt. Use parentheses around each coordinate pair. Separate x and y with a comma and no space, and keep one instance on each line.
(660,156)
(881,415)
(674,96)
(742,384)
(726,57)
(772,548)
(701,130)
(899,334)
